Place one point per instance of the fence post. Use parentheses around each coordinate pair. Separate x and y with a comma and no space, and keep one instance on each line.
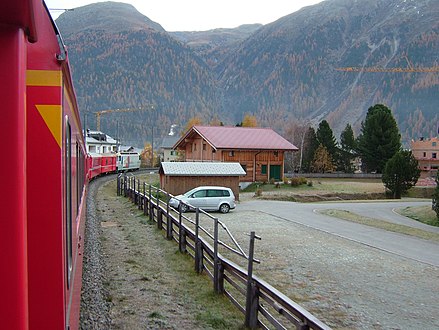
(150,208)
(252,299)
(181,234)
(168,219)
(218,271)
(145,211)
(159,218)
(118,185)
(198,245)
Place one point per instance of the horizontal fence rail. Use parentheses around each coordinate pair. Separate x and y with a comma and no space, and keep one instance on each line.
(263,306)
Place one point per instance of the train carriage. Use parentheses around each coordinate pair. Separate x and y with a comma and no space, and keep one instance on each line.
(108,163)
(43,218)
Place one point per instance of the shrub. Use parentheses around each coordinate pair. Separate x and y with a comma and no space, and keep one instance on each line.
(435,200)
(295,182)
(310,183)
(258,192)
(303,180)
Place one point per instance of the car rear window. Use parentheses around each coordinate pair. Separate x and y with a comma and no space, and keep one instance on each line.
(214,193)
(218,193)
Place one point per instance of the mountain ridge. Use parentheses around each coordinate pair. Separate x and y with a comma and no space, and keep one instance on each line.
(282,72)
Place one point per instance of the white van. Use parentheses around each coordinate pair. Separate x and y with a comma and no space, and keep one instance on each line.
(208,198)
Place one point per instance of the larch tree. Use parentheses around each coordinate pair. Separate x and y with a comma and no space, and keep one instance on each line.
(192,122)
(249,121)
(322,162)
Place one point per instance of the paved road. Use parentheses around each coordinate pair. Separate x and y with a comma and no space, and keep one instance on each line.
(403,245)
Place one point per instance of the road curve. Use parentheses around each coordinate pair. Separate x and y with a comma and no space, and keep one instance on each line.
(400,244)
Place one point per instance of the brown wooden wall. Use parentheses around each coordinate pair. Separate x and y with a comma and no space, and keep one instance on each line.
(199,150)
(177,185)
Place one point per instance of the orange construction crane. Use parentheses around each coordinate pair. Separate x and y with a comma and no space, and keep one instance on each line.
(409,68)
(101,112)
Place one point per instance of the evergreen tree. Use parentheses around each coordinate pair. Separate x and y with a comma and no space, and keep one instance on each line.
(347,151)
(309,148)
(401,173)
(435,200)
(380,138)
(325,136)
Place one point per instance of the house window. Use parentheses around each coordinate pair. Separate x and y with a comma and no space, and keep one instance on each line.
(434,155)
(264,169)
(231,153)
(194,147)
(276,154)
(204,146)
(433,144)
(425,154)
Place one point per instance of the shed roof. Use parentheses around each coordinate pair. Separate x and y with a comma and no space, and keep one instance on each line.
(203,169)
(230,137)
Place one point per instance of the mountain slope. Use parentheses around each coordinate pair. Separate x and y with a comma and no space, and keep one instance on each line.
(282,72)
(287,68)
(134,64)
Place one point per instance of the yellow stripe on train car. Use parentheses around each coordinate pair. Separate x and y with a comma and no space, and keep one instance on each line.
(43,78)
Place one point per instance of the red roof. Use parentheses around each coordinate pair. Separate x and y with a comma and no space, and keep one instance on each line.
(230,137)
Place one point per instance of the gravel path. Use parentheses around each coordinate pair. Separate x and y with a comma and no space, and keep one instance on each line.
(347,285)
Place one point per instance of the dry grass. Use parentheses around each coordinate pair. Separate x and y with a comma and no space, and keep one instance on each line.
(423,214)
(377,223)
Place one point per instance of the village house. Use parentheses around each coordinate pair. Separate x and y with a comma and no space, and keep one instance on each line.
(260,151)
(167,153)
(100,143)
(426,152)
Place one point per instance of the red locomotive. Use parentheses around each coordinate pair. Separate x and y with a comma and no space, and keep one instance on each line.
(43,174)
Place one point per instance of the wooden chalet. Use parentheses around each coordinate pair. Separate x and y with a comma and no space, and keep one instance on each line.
(260,151)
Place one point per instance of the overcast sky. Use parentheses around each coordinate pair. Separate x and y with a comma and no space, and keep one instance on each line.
(200,15)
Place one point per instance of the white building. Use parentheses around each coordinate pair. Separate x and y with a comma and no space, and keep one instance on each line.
(100,143)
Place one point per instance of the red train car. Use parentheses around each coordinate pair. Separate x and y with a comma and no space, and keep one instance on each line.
(93,165)
(108,163)
(43,175)
(98,164)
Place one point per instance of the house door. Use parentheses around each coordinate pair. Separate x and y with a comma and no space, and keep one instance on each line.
(275,172)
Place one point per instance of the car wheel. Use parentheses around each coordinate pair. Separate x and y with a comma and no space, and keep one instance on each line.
(224,208)
(183,208)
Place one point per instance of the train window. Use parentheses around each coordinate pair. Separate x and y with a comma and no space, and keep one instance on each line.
(68,198)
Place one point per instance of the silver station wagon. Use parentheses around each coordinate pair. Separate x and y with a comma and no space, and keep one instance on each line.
(208,198)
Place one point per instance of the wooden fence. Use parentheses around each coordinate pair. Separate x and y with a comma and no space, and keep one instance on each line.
(263,306)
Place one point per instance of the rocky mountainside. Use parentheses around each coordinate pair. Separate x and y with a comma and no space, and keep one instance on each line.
(283,72)
(213,45)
